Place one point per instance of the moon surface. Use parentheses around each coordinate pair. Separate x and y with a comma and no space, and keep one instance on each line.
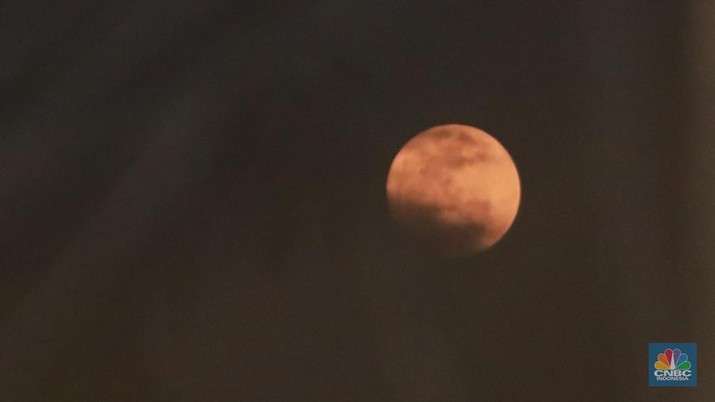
(455,187)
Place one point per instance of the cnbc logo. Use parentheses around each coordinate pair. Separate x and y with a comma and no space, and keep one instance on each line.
(672,364)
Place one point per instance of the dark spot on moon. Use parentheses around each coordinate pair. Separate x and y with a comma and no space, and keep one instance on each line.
(427,225)
(465,138)
(442,134)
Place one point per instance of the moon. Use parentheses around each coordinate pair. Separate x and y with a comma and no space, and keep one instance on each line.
(455,187)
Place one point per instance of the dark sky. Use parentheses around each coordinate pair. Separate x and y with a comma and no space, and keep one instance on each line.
(192,200)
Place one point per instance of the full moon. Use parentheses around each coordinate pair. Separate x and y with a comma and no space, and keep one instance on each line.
(455,187)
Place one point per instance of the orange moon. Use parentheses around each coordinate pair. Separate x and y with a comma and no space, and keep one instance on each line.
(456,187)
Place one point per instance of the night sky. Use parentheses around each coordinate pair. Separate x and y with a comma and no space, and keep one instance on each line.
(192,200)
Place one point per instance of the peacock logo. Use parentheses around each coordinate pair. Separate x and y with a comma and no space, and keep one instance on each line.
(672,359)
(673,364)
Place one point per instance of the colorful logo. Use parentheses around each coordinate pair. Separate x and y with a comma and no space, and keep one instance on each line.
(672,359)
(672,364)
